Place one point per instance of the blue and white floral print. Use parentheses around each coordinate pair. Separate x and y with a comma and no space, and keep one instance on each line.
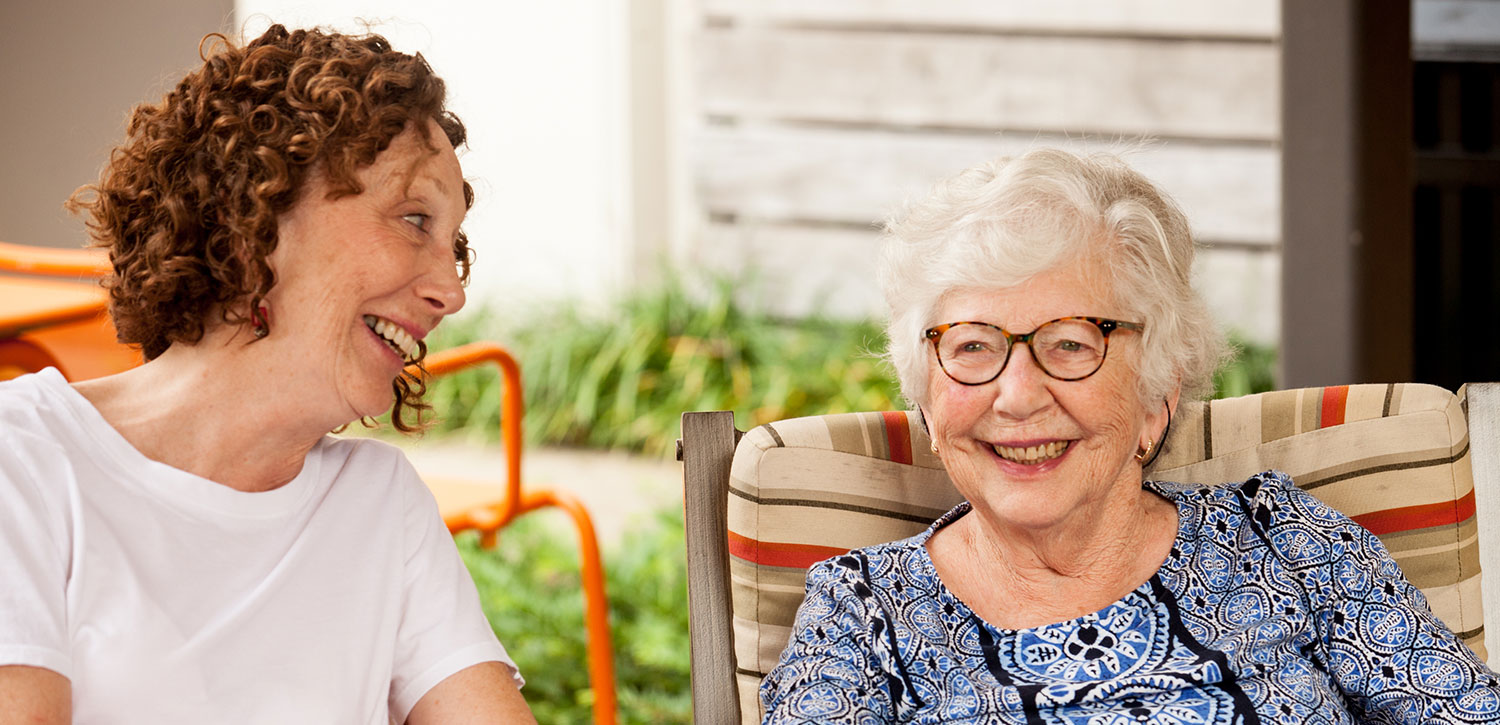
(1271,608)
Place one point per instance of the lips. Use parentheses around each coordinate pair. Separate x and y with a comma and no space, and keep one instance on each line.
(394,335)
(1032,455)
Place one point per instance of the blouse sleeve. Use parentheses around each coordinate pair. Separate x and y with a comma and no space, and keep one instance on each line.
(1394,661)
(829,671)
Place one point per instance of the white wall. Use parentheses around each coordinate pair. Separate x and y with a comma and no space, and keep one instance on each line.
(541,87)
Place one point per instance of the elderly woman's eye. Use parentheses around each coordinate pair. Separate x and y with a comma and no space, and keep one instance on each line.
(419,221)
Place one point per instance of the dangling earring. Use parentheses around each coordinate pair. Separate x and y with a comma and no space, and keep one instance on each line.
(1140,456)
(260,322)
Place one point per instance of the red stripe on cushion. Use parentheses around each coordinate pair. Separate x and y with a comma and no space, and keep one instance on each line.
(1334,399)
(898,436)
(1411,518)
(771,553)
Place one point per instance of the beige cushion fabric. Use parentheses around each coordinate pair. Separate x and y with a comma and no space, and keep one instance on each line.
(1393,457)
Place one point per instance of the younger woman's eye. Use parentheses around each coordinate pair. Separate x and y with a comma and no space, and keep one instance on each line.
(419,221)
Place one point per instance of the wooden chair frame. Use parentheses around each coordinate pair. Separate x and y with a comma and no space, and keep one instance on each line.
(707,448)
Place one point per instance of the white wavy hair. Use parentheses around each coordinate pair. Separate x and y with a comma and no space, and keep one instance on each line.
(996,225)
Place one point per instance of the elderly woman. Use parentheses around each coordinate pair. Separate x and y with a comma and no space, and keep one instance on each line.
(1043,321)
(184,542)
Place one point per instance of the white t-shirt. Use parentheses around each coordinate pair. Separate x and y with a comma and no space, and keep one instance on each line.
(168,598)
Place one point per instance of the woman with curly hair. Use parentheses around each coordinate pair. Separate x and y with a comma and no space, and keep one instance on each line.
(183,542)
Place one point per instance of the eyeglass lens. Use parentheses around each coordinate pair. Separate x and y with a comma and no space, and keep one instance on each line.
(1065,349)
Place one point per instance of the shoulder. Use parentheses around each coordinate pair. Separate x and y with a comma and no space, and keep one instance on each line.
(1267,499)
(31,403)
(1269,508)
(1275,502)
(37,438)
(24,392)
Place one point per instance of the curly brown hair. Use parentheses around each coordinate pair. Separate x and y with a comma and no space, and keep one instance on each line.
(188,204)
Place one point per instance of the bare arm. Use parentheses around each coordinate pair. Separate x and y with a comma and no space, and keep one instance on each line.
(483,693)
(35,696)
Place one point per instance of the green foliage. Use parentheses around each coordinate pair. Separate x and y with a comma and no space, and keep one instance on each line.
(622,380)
(1252,370)
(530,591)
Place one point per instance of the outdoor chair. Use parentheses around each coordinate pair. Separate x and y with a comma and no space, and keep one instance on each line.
(487,508)
(1403,460)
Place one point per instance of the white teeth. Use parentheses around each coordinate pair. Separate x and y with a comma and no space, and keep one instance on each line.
(395,335)
(1032,454)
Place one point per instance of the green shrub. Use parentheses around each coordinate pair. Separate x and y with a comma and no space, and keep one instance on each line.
(623,379)
(1251,370)
(529,587)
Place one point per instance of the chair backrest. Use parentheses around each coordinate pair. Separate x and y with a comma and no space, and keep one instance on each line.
(1394,457)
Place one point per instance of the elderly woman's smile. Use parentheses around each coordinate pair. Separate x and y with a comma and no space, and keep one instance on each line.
(1025,446)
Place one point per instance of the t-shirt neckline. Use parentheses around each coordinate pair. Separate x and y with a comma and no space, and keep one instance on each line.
(184,490)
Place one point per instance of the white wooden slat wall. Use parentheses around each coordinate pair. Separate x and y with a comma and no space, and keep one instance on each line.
(814,121)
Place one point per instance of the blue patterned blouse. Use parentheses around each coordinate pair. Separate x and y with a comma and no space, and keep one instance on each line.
(1271,608)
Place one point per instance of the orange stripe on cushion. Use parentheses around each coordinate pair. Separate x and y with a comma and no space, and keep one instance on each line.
(770,553)
(1408,518)
(898,436)
(1334,399)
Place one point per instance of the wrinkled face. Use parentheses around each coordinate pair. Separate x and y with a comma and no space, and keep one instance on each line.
(1027,449)
(361,278)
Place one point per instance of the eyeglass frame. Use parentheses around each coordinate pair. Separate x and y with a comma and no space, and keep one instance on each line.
(1106,327)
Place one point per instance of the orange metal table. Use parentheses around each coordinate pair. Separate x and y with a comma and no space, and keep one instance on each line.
(29,303)
(49,322)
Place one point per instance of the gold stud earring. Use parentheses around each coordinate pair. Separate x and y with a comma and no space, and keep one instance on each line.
(934,448)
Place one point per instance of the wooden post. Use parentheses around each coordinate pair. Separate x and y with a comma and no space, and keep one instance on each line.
(706,450)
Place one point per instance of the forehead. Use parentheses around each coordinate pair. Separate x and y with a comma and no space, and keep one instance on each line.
(412,163)
(1067,290)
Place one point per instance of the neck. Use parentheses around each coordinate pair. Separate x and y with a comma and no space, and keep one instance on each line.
(218,409)
(1019,578)
(1091,543)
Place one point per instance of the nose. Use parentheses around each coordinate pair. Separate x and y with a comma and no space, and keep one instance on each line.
(442,287)
(1022,390)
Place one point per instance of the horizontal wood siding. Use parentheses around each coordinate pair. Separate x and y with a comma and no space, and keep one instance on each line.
(1063,84)
(1254,19)
(814,121)
(800,269)
(859,177)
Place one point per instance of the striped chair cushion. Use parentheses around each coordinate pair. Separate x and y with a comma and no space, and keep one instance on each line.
(1394,457)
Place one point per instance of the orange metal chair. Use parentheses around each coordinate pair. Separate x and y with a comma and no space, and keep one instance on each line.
(474,506)
(52,313)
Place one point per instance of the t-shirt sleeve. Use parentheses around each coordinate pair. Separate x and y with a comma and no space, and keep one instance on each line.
(1392,658)
(830,670)
(443,629)
(34,554)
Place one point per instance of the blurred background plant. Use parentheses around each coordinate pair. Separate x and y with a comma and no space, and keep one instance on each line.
(530,591)
(622,379)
